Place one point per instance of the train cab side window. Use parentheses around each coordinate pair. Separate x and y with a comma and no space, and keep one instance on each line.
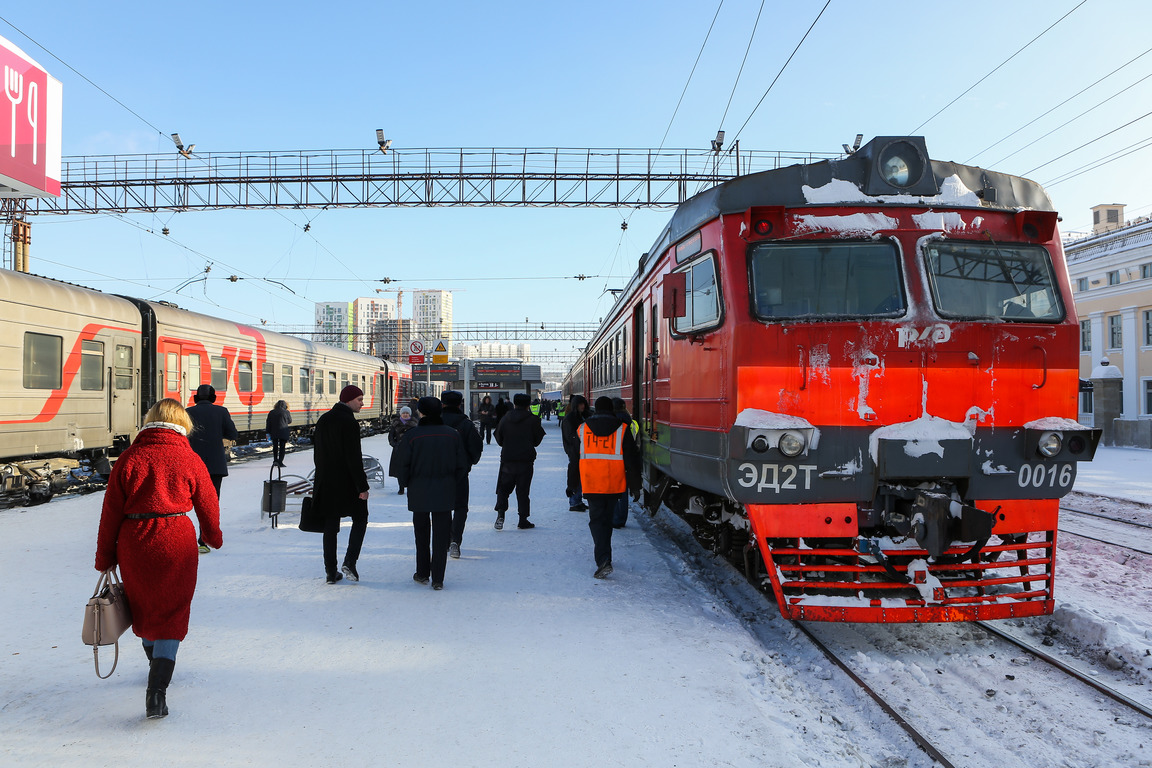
(1006,281)
(123,366)
(92,365)
(268,377)
(219,374)
(823,279)
(286,379)
(43,361)
(244,376)
(702,295)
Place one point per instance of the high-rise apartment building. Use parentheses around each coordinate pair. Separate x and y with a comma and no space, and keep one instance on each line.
(367,315)
(334,324)
(492,351)
(432,315)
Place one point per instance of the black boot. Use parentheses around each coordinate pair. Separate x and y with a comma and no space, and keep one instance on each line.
(159,675)
(148,650)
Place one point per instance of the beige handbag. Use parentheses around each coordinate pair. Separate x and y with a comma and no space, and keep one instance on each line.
(106,617)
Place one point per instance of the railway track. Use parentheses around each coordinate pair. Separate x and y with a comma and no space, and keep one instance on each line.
(1107,529)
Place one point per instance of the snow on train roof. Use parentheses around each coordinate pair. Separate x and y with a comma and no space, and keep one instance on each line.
(953,192)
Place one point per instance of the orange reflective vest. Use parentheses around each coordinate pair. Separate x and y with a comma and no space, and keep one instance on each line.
(602,461)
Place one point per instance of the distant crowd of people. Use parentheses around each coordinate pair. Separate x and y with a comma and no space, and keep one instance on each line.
(178,460)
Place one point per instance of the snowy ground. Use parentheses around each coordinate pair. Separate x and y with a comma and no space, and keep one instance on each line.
(522,660)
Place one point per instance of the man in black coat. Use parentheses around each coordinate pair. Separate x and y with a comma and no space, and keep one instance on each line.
(431,462)
(454,416)
(574,416)
(340,486)
(517,434)
(212,424)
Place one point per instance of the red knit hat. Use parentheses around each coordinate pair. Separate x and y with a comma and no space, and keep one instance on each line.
(350,393)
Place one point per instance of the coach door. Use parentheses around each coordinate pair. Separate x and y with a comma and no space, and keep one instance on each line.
(639,368)
(171,378)
(123,374)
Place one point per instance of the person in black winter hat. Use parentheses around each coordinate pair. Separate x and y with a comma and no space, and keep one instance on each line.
(517,434)
(430,463)
(211,425)
(574,416)
(455,417)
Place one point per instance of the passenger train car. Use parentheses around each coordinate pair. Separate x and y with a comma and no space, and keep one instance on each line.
(859,378)
(80,368)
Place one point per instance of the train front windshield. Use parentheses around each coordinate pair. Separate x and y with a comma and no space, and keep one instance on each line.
(843,279)
(1005,281)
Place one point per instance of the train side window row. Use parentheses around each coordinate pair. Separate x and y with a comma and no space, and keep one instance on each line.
(608,361)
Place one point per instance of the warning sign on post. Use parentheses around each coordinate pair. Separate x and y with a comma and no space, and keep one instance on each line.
(440,352)
(416,352)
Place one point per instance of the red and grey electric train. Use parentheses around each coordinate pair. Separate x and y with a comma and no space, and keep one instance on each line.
(80,368)
(859,377)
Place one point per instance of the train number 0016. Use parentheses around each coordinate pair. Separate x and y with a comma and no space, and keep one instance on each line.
(1041,475)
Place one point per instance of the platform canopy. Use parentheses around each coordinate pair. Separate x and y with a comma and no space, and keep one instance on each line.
(30,129)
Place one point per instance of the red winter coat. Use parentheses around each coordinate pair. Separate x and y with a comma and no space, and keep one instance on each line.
(159,473)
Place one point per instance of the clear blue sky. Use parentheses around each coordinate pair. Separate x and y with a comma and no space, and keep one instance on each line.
(285,76)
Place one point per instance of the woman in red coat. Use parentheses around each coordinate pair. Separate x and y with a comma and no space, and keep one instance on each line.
(145,529)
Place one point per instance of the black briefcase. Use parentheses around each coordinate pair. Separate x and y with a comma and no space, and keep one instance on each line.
(311,519)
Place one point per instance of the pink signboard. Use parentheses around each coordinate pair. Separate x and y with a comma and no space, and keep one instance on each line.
(30,112)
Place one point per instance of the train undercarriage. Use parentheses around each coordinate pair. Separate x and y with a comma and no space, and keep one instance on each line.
(919,555)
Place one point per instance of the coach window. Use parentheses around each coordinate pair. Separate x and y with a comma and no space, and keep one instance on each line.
(331,382)
(192,371)
(702,297)
(92,365)
(318,381)
(305,376)
(343,381)
(123,366)
(843,279)
(999,280)
(244,376)
(43,361)
(219,374)
(286,379)
(268,377)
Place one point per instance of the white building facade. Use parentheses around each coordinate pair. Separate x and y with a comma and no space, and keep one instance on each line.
(432,315)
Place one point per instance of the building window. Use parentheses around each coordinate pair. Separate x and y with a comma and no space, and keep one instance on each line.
(1086,402)
(1085,335)
(1114,277)
(1113,216)
(92,365)
(1115,334)
(1146,270)
(1147,397)
(1082,284)
(1095,217)
(1147,328)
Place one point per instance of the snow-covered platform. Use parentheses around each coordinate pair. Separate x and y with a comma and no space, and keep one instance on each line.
(522,660)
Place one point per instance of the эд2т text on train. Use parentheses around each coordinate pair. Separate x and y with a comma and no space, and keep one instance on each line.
(859,377)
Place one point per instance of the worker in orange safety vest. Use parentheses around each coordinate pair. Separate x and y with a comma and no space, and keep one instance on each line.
(609,468)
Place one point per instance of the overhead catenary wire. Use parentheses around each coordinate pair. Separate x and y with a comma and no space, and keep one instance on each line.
(690,74)
(997,67)
(1077,117)
(1087,143)
(781,72)
(1053,109)
(743,61)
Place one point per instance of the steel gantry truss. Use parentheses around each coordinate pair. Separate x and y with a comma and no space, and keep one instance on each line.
(399,178)
(465,332)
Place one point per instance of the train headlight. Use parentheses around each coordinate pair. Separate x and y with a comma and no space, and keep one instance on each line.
(900,164)
(760,444)
(791,444)
(1050,444)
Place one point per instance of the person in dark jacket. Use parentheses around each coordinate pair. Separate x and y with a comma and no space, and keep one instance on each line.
(604,440)
(277,427)
(431,462)
(401,423)
(574,416)
(487,414)
(211,425)
(340,485)
(620,408)
(454,416)
(517,434)
(502,408)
